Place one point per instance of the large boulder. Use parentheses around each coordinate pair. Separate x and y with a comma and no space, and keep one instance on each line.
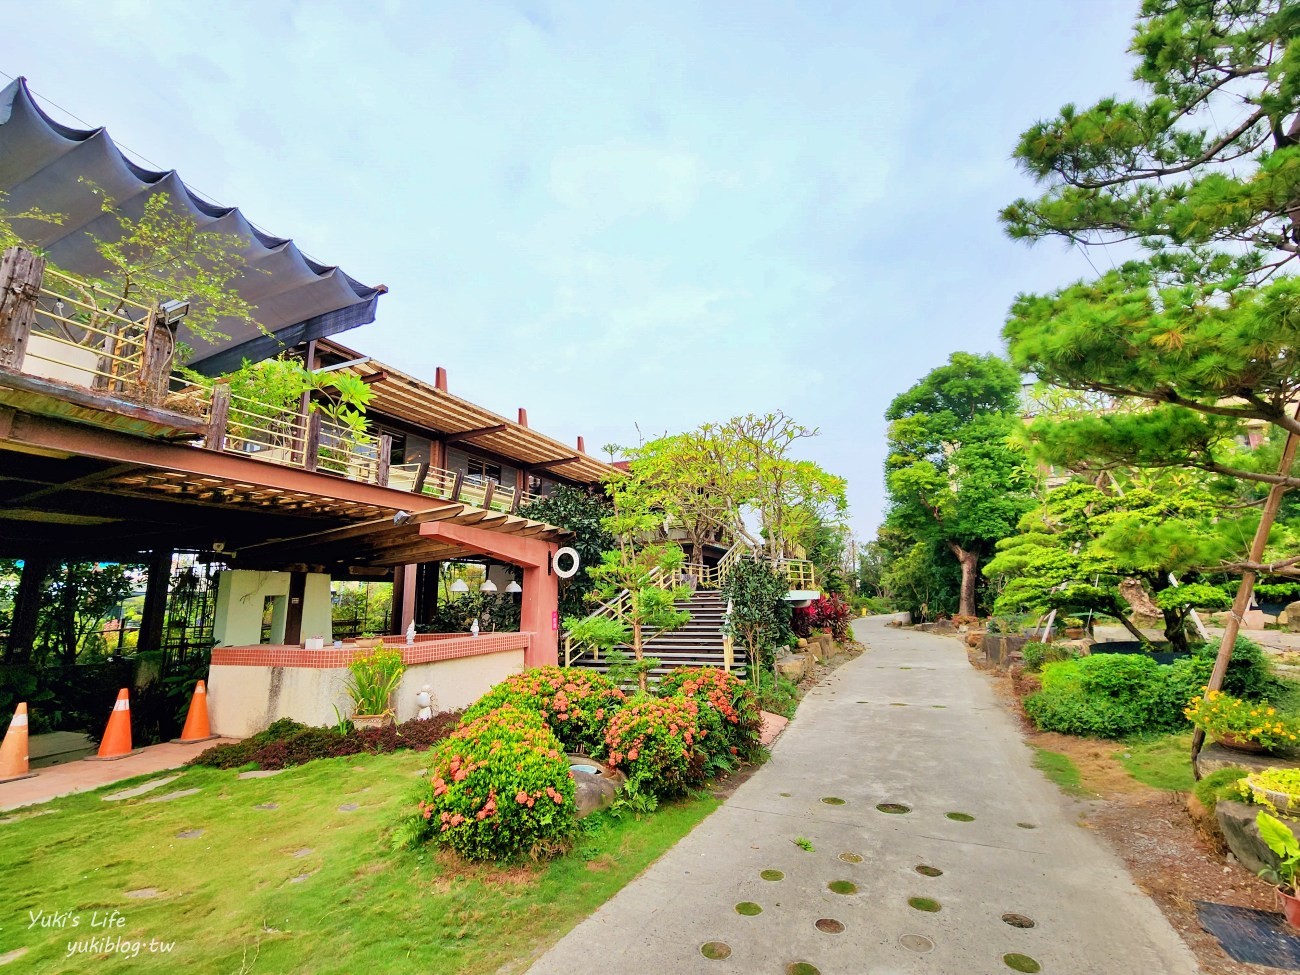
(1237,820)
(1290,617)
(793,666)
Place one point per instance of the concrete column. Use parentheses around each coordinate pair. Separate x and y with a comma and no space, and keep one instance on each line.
(293,609)
(27,604)
(403,597)
(537,616)
(155,600)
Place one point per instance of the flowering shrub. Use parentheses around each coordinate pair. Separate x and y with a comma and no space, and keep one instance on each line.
(499,787)
(829,613)
(654,741)
(1254,721)
(576,704)
(730,720)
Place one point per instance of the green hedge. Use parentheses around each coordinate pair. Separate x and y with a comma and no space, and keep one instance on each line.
(1112,695)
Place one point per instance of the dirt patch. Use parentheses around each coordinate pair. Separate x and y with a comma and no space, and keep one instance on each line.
(457,868)
(601,864)
(1168,850)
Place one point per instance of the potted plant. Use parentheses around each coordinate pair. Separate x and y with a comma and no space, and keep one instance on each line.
(1276,788)
(1247,726)
(1074,628)
(374,676)
(1283,843)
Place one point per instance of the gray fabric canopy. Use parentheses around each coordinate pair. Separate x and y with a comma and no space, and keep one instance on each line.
(46,165)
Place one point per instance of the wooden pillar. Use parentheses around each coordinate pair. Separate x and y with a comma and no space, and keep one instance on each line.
(27,604)
(385,459)
(293,612)
(155,600)
(159,350)
(218,417)
(20,285)
(403,597)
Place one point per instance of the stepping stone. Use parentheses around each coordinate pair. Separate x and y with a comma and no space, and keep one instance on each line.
(140,790)
(349,807)
(179,794)
(261,773)
(27,815)
(305,851)
(267,805)
(300,878)
(189,834)
(143,892)
(14,955)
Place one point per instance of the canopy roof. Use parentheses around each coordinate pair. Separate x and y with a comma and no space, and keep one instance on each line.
(396,394)
(46,165)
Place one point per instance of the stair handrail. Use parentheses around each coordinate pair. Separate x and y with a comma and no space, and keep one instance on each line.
(615,609)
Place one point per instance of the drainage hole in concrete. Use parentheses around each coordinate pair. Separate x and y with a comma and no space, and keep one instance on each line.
(897,704)
(772,875)
(894,808)
(927,904)
(938,705)
(1021,963)
(960,817)
(748,908)
(842,887)
(1018,920)
(904,668)
(1026,825)
(785,795)
(916,942)
(833,800)
(715,950)
(828,925)
(928,871)
(801,968)
(850,858)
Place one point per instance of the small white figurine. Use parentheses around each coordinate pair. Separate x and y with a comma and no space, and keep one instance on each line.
(424,701)
(473,628)
(410,633)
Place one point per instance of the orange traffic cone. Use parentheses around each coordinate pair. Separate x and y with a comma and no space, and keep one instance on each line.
(196,719)
(13,751)
(116,742)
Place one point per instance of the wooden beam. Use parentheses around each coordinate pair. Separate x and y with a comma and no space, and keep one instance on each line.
(72,485)
(462,436)
(378,526)
(548,464)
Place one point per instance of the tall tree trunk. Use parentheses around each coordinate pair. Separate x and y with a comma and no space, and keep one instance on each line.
(1242,601)
(969,561)
(637,652)
(1175,631)
(68,616)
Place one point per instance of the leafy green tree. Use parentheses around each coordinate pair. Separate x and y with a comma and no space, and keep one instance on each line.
(583,513)
(1074,550)
(954,479)
(692,484)
(758,616)
(79,598)
(1201,333)
(634,570)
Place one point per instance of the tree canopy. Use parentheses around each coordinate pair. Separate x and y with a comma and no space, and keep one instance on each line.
(954,478)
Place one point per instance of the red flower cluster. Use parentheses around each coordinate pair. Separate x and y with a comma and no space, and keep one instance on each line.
(829,613)
(575,703)
(730,719)
(653,741)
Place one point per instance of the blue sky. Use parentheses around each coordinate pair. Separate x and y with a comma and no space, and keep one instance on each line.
(619,216)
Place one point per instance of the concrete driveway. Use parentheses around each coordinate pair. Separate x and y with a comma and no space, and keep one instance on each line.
(907,723)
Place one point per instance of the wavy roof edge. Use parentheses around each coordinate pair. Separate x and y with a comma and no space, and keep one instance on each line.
(18,104)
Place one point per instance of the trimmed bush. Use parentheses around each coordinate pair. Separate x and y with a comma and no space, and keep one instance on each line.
(1106,696)
(576,704)
(655,742)
(499,788)
(730,719)
(286,743)
(1035,654)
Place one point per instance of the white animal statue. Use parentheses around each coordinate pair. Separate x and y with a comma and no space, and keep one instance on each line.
(424,701)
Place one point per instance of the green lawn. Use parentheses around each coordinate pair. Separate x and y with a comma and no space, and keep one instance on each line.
(1061,770)
(245,898)
(1162,763)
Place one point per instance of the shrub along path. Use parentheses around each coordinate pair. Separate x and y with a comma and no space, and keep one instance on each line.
(901,760)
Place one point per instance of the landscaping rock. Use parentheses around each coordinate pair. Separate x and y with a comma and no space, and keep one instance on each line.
(140,790)
(179,794)
(1214,757)
(143,893)
(594,791)
(261,773)
(1290,617)
(794,666)
(802,643)
(1237,821)
(189,834)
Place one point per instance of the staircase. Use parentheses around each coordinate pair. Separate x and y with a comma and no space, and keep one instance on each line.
(697,644)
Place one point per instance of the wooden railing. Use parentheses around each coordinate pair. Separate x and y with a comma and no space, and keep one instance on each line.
(615,609)
(71,330)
